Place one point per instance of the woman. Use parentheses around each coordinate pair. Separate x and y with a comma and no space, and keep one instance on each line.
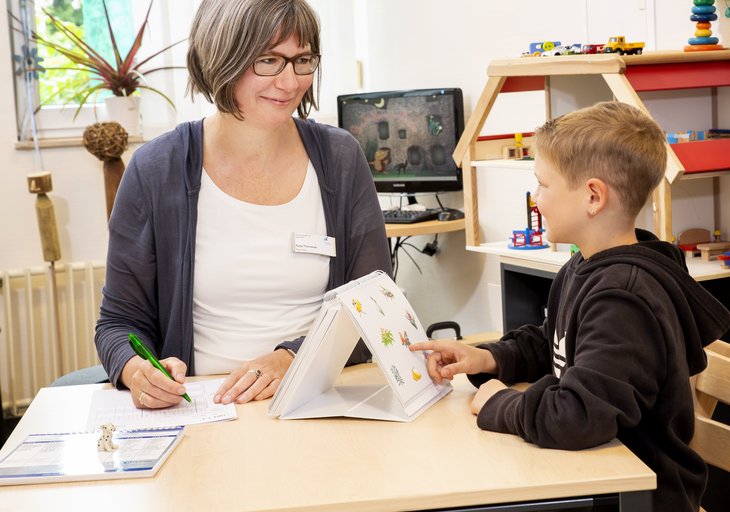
(201,264)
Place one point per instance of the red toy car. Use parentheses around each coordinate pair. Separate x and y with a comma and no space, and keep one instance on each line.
(591,48)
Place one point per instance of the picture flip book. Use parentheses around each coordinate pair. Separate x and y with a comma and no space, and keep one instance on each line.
(372,308)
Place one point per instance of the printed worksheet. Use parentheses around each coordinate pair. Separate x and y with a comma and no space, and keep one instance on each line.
(115,406)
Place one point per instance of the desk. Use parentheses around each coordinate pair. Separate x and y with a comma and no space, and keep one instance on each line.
(260,463)
(429,227)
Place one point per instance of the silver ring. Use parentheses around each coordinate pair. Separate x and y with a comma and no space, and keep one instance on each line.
(141,399)
(255,372)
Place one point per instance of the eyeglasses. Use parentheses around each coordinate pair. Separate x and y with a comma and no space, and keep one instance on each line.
(271,65)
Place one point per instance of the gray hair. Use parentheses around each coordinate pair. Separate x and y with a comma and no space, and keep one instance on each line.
(228,35)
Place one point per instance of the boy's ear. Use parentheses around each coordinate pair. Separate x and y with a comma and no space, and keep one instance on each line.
(596,195)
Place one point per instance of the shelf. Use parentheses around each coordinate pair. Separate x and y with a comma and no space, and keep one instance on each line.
(551,261)
(539,259)
(678,70)
(703,156)
(653,71)
(429,227)
(526,165)
(696,157)
(66,142)
(703,270)
(625,77)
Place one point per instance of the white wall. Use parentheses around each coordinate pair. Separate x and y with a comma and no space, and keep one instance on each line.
(78,187)
(402,44)
(442,43)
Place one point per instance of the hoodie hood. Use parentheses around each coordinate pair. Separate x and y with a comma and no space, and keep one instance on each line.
(703,318)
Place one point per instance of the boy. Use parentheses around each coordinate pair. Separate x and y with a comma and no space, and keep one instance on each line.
(625,325)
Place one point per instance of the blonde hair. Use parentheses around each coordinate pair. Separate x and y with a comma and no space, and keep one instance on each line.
(612,141)
(228,35)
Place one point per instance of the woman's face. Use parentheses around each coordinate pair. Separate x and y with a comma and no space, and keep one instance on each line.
(271,100)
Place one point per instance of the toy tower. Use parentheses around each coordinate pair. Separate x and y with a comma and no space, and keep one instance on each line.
(703,12)
(530,237)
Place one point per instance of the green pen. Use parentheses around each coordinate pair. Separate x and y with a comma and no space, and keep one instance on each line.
(143,352)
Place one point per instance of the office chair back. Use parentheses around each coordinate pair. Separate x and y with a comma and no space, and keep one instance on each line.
(712,438)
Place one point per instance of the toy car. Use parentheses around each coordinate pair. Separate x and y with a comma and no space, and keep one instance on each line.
(591,49)
(537,48)
(562,50)
(618,44)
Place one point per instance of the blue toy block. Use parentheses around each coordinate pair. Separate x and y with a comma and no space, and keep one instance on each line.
(703,17)
(703,40)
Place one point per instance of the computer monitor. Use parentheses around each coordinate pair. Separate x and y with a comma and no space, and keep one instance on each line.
(408,137)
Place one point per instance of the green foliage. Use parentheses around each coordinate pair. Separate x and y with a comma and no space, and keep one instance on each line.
(91,72)
(57,86)
(66,10)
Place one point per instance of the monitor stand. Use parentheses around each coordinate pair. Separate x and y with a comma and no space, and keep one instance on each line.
(413,204)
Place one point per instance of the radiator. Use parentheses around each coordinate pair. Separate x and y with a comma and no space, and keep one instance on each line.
(36,344)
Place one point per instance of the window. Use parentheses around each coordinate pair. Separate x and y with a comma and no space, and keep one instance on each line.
(45,82)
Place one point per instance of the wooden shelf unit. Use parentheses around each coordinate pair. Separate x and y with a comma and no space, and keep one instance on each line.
(622,77)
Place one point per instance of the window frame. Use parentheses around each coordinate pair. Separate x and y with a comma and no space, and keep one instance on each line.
(57,121)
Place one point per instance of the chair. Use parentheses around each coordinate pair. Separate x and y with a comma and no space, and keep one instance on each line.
(712,438)
(91,375)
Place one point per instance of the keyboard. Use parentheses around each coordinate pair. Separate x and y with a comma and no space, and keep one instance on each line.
(395,216)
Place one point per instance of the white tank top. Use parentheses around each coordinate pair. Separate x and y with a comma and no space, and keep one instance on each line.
(250,290)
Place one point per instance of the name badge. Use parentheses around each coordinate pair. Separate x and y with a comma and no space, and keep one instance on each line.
(313,244)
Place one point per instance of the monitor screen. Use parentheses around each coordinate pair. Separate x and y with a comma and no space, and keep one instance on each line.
(408,137)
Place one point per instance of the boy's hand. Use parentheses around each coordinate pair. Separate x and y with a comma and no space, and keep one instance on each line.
(484,393)
(451,357)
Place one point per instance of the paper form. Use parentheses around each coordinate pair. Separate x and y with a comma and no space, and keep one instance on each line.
(115,406)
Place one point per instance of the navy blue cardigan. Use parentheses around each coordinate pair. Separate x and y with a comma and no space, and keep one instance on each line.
(150,260)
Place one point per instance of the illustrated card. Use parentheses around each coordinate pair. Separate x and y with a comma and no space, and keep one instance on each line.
(389,325)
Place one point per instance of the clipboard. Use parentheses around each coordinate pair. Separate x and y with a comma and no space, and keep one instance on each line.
(372,308)
(74,456)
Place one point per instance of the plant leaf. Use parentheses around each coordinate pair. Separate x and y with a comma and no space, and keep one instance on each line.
(117,57)
(160,93)
(161,68)
(129,59)
(122,78)
(91,54)
(158,53)
(88,92)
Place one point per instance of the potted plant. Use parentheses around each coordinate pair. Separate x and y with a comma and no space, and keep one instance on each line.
(123,77)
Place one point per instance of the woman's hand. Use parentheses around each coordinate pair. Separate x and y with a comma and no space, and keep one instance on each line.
(451,357)
(484,393)
(150,388)
(257,379)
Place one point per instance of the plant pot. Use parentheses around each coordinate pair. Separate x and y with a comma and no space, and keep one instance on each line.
(125,111)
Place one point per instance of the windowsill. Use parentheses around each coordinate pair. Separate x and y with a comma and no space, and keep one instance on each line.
(66,142)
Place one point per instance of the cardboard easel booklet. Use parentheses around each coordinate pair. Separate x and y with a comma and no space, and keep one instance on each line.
(372,308)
